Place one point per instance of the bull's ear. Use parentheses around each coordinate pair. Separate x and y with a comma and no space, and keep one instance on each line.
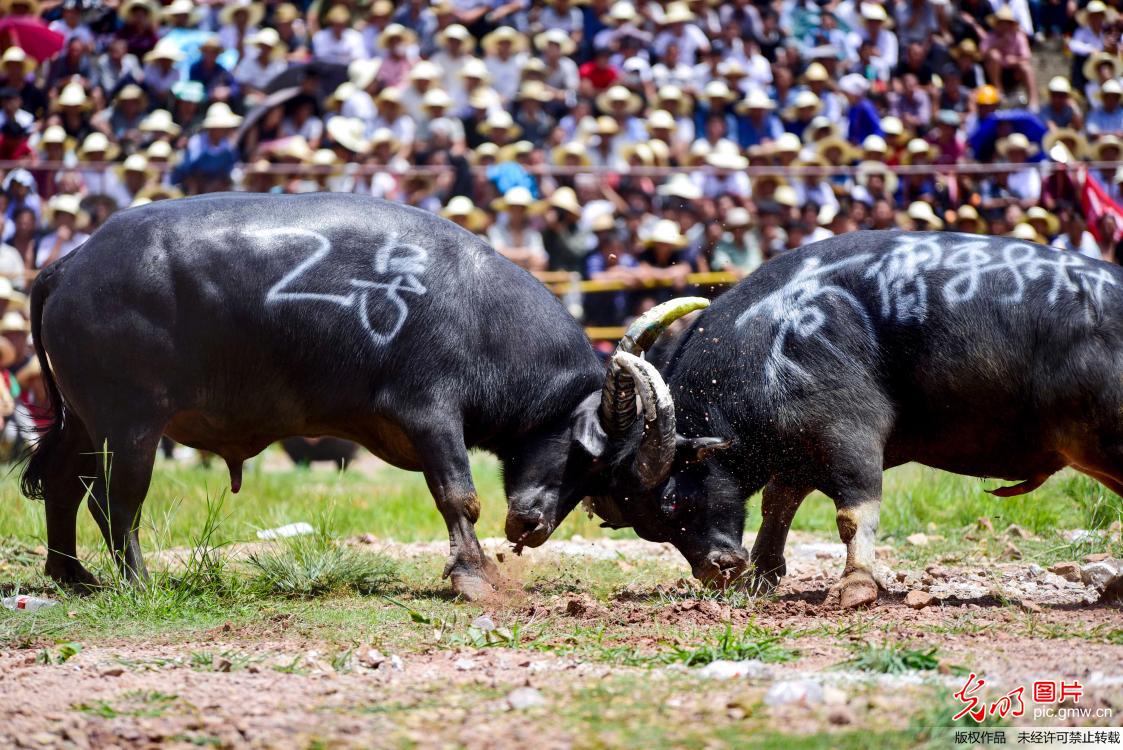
(587,430)
(693,450)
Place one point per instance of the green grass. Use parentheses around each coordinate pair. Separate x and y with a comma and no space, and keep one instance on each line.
(891,658)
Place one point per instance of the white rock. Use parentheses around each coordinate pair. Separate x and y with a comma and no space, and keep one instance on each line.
(918,539)
(802,692)
(525,697)
(464,665)
(723,669)
(281,532)
(484,623)
(1099,575)
(397,664)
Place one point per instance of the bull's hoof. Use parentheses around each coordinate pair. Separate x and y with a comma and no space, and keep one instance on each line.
(472,587)
(70,574)
(857,590)
(491,572)
(765,576)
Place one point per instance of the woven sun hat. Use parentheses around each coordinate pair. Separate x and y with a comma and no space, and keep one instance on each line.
(457,32)
(219,115)
(517,40)
(619,98)
(462,207)
(967,214)
(1038,213)
(569,151)
(97,143)
(518,196)
(17,55)
(165,49)
(665,232)
(565,199)
(1073,140)
(1016,142)
(867,169)
(680,186)
(738,217)
(396,31)
(348,132)
(160,121)
(923,212)
(558,37)
(73,95)
(255,11)
(756,99)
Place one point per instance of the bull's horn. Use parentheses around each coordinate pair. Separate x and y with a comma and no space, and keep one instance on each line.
(656,452)
(618,398)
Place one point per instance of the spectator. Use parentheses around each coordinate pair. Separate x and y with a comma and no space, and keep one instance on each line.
(1076,238)
(512,235)
(1107,116)
(1006,51)
(211,155)
(338,43)
(65,233)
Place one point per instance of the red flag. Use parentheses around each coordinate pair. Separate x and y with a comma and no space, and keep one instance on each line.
(1096,202)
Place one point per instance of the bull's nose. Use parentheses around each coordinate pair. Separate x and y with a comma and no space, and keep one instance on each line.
(720,568)
(526,529)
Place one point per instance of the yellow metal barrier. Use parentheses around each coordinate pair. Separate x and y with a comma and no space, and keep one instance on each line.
(562,286)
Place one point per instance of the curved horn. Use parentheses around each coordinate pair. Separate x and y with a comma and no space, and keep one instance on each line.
(656,451)
(618,398)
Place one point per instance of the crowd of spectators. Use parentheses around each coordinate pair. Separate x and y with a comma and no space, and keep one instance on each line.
(623,141)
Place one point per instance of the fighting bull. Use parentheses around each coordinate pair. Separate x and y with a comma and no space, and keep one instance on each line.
(231,321)
(978,355)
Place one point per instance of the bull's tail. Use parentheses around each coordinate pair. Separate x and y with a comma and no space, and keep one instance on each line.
(52,413)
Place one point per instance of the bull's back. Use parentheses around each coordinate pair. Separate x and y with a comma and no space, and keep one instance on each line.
(254,305)
(962,345)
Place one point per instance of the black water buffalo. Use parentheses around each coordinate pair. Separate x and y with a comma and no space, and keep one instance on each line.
(230,321)
(984,356)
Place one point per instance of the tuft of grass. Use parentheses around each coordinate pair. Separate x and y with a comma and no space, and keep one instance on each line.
(318,565)
(1098,506)
(892,658)
(753,642)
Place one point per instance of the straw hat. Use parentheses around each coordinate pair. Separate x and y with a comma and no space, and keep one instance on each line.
(672,99)
(459,33)
(424,70)
(1104,143)
(892,127)
(1037,213)
(165,49)
(483,97)
(814,132)
(17,55)
(617,98)
(680,186)
(846,153)
(1027,233)
(816,73)
(606,126)
(137,163)
(621,12)
(1004,14)
(64,203)
(515,151)
(1059,85)
(1073,140)
(661,119)
(966,48)
(1092,65)
(219,116)
(661,151)
(73,95)
(55,134)
(562,154)
(436,99)
(535,91)
(756,99)
(256,12)
(152,193)
(804,100)
(384,137)
(731,68)
(558,37)
(97,143)
(922,212)
(476,68)
(1016,142)
(665,232)
(267,38)
(677,12)
(717,89)
(875,143)
(462,207)
(14,322)
(500,120)
(159,151)
(160,121)
(127,8)
(564,199)
(348,132)
(786,196)
(738,217)
(854,84)
(182,8)
(491,42)
(640,151)
(918,148)
(876,13)
(867,169)
(725,159)
(787,143)
(1095,8)
(1110,88)
(968,214)
(32,6)
(603,222)
(517,196)
(396,31)
(131,92)
(485,151)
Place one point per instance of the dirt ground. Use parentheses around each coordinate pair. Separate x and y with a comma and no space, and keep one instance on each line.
(273,685)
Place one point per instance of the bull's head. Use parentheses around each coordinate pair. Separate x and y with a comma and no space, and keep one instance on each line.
(632,471)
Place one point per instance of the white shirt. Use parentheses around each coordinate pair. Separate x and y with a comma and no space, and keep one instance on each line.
(1089,248)
(505,74)
(251,72)
(47,245)
(1025,184)
(344,50)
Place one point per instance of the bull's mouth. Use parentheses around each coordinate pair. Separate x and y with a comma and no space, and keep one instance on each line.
(527,530)
(722,568)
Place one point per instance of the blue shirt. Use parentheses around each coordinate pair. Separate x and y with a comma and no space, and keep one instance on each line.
(863,121)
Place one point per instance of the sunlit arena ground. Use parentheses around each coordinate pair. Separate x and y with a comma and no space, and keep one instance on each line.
(347,638)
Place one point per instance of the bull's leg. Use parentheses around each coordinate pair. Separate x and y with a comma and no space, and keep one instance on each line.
(857,497)
(779,503)
(449,476)
(125,461)
(67,468)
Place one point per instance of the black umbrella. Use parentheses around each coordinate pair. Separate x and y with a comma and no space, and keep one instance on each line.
(316,78)
(276,99)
